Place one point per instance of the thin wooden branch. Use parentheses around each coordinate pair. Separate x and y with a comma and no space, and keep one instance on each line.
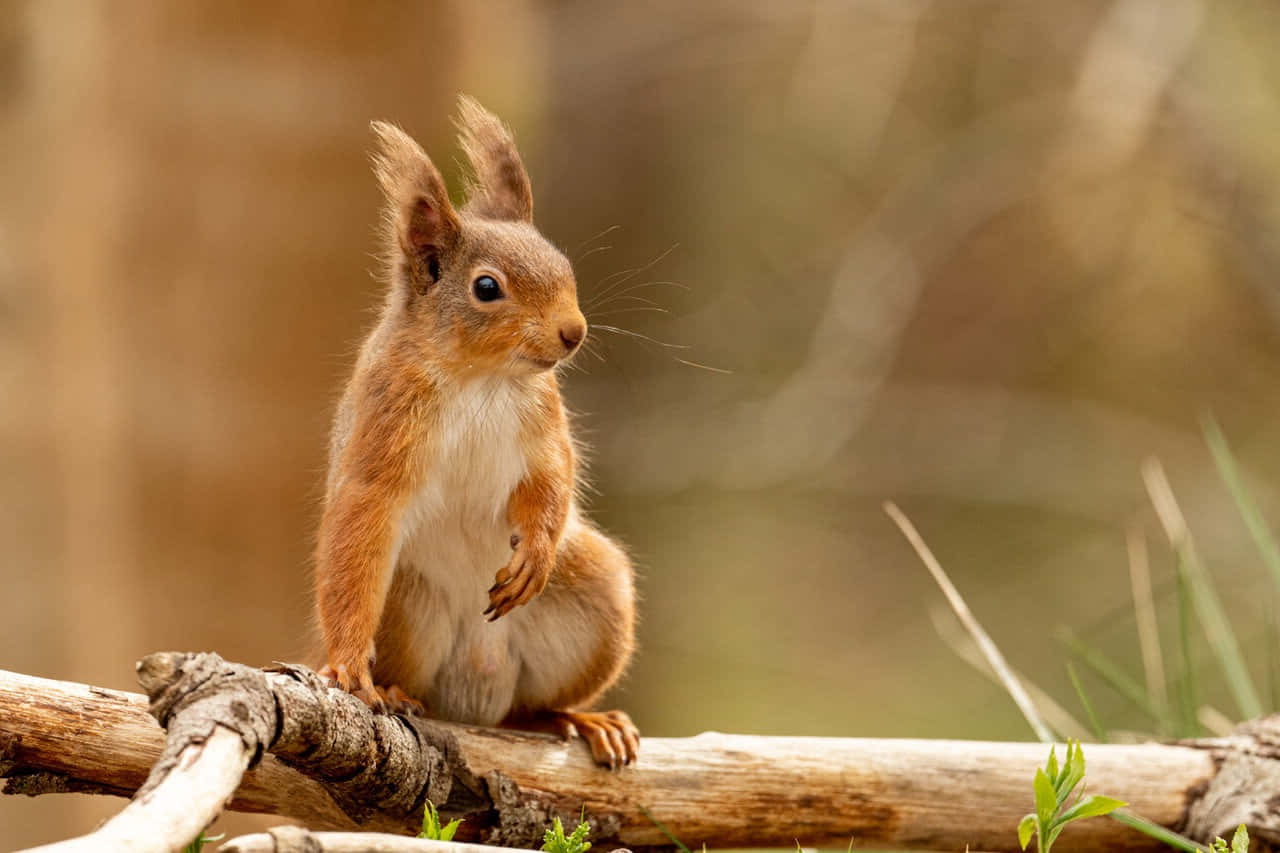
(292,839)
(724,790)
(185,798)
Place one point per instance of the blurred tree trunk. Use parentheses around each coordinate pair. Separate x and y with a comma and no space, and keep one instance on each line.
(203,220)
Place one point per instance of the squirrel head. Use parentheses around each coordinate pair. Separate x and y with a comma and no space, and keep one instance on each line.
(480,284)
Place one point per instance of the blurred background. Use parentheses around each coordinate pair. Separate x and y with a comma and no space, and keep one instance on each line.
(980,257)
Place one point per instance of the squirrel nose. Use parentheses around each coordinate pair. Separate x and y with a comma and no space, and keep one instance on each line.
(572,333)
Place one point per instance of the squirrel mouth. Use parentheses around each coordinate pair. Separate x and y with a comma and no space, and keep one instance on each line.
(544,363)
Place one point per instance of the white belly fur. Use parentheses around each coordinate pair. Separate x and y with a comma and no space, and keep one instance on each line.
(456,536)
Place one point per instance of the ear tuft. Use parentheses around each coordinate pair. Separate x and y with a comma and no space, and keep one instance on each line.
(418,206)
(502,189)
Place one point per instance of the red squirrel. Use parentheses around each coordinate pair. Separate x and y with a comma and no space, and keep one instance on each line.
(455,573)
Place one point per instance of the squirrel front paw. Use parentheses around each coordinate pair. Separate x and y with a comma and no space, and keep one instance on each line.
(356,679)
(522,578)
(360,685)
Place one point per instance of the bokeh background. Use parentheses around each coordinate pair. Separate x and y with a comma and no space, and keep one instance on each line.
(981,257)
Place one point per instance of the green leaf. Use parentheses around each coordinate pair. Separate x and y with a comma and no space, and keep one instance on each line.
(1093,806)
(431,828)
(1051,768)
(446,833)
(1240,841)
(555,841)
(1046,798)
(1026,828)
(1072,773)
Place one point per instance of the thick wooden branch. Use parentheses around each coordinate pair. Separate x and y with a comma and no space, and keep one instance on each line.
(64,737)
(329,762)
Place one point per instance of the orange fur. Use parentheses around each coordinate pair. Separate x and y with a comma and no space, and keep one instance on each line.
(451,448)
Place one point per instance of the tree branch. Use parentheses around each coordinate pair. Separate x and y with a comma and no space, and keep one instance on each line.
(179,801)
(292,839)
(326,760)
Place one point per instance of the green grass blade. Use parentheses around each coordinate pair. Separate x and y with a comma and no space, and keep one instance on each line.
(1212,615)
(663,829)
(1222,639)
(1098,731)
(1263,539)
(1158,832)
(1111,673)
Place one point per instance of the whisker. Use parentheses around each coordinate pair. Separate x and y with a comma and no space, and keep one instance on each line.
(629,333)
(632,334)
(704,366)
(589,347)
(611,294)
(591,240)
(650,308)
(613,299)
(626,275)
(589,252)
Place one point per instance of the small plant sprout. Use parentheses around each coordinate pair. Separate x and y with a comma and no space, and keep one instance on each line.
(1239,842)
(555,841)
(431,828)
(201,840)
(1054,787)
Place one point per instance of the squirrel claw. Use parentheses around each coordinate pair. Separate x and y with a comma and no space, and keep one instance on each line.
(614,740)
(372,698)
(402,703)
(520,580)
(362,687)
(326,672)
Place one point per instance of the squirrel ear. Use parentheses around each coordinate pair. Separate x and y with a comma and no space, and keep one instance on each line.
(418,207)
(502,189)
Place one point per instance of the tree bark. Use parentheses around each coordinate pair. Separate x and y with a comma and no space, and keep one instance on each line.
(320,756)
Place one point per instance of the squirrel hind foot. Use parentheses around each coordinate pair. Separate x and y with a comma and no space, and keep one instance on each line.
(402,703)
(614,740)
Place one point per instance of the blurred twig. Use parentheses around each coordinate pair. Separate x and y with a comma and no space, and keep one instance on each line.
(1059,719)
(989,649)
(1144,610)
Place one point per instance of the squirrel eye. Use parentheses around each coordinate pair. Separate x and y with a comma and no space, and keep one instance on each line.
(486,288)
